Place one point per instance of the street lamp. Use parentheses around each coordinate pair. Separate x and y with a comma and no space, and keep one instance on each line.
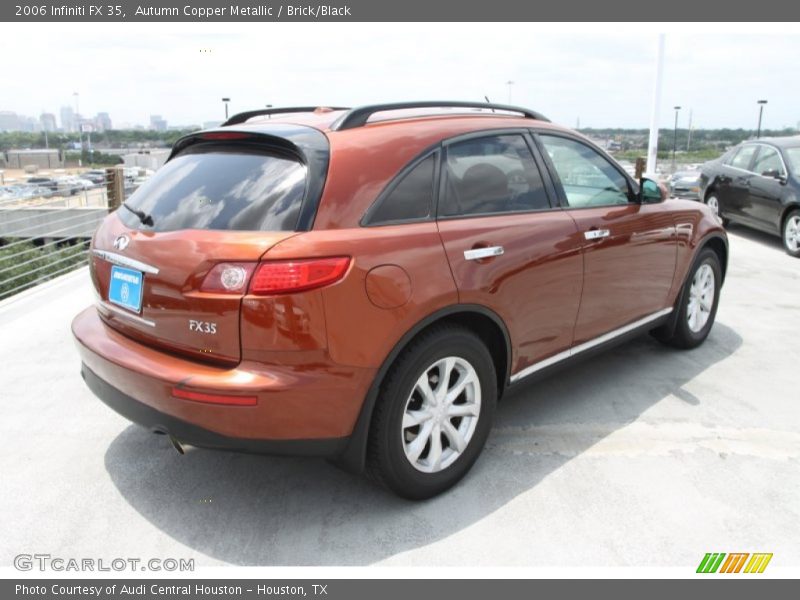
(226,100)
(675,136)
(761,104)
(509,83)
(269,106)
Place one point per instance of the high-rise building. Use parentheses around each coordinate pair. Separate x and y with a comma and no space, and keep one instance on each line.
(9,121)
(48,121)
(158,123)
(102,122)
(68,119)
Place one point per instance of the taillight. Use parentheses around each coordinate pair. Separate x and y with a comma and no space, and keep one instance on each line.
(288,276)
(228,278)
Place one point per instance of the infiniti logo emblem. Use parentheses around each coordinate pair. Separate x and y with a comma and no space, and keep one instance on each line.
(121,242)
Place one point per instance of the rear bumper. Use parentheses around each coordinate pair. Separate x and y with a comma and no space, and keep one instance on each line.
(160,422)
(301,409)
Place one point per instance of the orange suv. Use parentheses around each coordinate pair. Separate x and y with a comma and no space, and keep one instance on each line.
(364,284)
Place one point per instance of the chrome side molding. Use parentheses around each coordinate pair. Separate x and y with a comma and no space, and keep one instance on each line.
(607,337)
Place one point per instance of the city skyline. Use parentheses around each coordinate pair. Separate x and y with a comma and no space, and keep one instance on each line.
(601,76)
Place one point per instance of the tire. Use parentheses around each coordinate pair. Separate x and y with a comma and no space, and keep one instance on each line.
(712,201)
(409,411)
(790,234)
(696,311)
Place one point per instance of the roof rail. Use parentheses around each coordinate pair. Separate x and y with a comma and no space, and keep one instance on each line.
(358,117)
(245,116)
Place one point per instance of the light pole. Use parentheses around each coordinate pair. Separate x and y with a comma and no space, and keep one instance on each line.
(761,104)
(675,136)
(269,106)
(509,83)
(226,100)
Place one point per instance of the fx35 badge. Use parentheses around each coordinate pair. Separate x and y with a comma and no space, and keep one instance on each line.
(202,327)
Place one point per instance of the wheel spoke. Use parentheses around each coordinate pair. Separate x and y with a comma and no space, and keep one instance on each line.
(457,441)
(454,392)
(435,452)
(412,418)
(415,448)
(463,410)
(424,388)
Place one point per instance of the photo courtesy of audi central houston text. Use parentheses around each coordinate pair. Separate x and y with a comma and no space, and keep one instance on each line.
(365,284)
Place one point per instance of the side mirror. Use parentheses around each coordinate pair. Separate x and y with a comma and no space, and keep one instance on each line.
(775,174)
(651,191)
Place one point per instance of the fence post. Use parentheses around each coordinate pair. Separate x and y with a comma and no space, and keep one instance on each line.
(115,188)
(640,166)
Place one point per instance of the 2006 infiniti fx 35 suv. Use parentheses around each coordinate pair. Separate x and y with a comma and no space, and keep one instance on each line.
(364,284)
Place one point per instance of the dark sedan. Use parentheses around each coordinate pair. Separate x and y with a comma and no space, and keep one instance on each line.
(757,184)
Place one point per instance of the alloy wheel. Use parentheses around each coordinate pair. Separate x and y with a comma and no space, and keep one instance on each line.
(701,298)
(441,414)
(791,234)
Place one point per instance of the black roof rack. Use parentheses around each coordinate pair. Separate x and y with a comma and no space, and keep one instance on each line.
(358,117)
(247,115)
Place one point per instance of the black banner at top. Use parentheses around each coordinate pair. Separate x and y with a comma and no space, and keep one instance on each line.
(398,10)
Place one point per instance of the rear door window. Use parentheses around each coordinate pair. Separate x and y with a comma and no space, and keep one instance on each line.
(489,175)
(741,160)
(222,188)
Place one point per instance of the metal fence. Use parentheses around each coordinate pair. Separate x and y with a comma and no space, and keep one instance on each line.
(45,230)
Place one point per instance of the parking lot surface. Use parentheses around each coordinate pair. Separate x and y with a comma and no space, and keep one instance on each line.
(644,456)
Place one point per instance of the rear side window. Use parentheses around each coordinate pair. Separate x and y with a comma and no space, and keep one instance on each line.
(408,200)
(741,160)
(222,189)
(494,174)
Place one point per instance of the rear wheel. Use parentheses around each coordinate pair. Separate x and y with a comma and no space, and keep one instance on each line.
(434,413)
(697,307)
(712,201)
(791,233)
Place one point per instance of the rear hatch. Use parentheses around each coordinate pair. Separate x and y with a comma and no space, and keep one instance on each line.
(171,266)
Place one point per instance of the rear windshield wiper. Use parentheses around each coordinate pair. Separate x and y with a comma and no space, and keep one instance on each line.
(145,219)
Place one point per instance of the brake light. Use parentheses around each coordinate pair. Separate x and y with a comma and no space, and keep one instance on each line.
(225,135)
(228,278)
(288,276)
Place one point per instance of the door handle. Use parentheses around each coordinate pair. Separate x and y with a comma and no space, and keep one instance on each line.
(596,234)
(479,253)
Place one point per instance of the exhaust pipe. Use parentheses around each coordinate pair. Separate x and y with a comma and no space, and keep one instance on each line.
(177,445)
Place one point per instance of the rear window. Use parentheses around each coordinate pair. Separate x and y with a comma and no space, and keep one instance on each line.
(222,189)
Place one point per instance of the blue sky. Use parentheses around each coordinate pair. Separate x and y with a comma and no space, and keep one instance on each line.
(600,73)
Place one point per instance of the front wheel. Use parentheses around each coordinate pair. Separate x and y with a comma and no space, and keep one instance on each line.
(434,413)
(791,234)
(699,298)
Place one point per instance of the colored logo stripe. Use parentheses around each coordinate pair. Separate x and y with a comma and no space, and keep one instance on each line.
(710,562)
(758,563)
(734,562)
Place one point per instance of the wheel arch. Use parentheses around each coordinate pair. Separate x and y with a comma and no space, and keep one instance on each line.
(787,210)
(487,324)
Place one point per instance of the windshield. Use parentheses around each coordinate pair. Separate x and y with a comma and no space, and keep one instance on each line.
(220,188)
(793,154)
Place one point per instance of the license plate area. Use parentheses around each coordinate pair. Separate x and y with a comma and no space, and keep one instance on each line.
(125,288)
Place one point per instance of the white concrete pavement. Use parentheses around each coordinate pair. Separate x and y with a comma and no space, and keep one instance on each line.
(645,456)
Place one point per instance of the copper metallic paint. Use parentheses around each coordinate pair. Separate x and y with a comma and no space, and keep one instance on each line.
(310,358)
